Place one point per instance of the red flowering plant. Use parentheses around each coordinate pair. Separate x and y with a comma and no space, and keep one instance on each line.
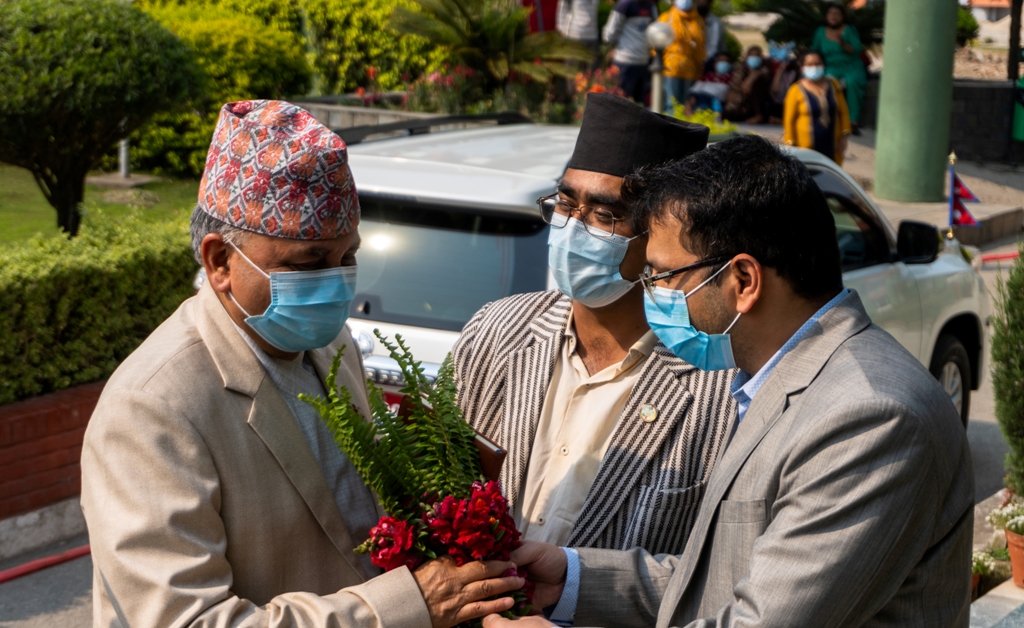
(599,80)
(425,467)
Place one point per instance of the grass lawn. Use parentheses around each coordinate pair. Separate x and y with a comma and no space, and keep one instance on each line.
(24,211)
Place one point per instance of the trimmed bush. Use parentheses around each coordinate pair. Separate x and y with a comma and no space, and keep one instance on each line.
(1008,370)
(239,58)
(75,77)
(72,310)
(967,27)
(348,37)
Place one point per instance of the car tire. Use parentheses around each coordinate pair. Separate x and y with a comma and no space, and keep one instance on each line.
(952,367)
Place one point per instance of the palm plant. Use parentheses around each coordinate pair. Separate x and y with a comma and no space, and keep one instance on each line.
(491,37)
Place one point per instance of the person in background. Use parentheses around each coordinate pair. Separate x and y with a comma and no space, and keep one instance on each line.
(787,72)
(751,81)
(815,114)
(626,31)
(712,89)
(714,31)
(839,45)
(577,21)
(684,58)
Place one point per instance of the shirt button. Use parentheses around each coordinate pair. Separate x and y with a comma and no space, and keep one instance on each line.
(564,451)
(540,521)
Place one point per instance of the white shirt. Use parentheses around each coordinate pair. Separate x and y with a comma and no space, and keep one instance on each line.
(575,428)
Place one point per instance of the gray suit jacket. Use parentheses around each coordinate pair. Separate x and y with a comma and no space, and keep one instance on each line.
(845,498)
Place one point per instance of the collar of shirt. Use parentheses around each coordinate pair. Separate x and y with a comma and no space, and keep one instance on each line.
(639,352)
(745,386)
(277,368)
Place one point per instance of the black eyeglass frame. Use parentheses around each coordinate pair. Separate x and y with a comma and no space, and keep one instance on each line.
(546,216)
(648,280)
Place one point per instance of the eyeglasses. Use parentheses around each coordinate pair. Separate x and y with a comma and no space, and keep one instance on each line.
(598,221)
(648,280)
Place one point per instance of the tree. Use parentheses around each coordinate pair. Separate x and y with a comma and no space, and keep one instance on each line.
(491,37)
(240,57)
(801,18)
(1008,370)
(77,76)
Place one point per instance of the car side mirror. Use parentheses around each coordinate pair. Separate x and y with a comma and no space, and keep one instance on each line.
(917,242)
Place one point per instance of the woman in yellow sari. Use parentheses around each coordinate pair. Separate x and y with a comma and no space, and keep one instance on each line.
(815,115)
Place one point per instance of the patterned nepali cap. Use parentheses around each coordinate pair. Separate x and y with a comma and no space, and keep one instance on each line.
(273,169)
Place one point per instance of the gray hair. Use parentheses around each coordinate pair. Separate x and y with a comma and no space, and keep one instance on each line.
(203,224)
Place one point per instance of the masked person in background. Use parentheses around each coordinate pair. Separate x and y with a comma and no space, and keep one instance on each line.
(684,57)
(213,496)
(815,115)
(626,31)
(749,93)
(610,437)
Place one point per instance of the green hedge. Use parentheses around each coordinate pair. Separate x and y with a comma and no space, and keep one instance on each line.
(72,310)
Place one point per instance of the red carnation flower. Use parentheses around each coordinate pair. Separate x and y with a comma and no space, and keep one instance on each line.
(393,541)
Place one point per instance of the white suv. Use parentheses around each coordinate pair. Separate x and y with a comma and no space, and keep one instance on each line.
(449,223)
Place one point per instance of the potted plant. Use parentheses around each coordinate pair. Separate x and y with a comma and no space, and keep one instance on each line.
(982,564)
(1010,519)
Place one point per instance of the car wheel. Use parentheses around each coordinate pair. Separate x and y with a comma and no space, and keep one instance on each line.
(952,367)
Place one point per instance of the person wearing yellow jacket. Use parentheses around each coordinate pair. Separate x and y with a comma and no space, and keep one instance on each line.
(815,114)
(684,58)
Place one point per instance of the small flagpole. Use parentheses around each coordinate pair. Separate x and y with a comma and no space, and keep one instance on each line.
(952,191)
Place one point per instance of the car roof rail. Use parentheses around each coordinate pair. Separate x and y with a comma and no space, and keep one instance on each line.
(419,126)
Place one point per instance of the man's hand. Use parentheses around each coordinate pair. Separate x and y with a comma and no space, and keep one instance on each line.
(456,594)
(545,565)
(534,621)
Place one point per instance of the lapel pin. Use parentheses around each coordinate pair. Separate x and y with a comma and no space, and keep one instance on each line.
(648,413)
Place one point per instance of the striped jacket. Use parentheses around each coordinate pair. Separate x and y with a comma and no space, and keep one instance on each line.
(653,476)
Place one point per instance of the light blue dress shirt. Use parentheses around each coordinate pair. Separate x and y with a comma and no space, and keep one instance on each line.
(744,388)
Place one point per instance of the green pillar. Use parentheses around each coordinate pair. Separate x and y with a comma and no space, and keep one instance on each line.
(912,143)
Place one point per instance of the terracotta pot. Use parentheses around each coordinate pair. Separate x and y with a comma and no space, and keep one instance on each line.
(1015,543)
(975,579)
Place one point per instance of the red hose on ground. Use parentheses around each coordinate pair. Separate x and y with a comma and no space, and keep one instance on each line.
(998,257)
(42,563)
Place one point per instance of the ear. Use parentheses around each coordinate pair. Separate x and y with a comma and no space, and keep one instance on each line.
(215,253)
(749,279)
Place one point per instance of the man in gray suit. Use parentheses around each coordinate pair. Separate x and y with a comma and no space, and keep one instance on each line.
(845,494)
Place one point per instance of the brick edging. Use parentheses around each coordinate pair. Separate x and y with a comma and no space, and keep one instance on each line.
(40,448)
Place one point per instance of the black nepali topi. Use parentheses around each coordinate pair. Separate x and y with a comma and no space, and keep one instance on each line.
(618,137)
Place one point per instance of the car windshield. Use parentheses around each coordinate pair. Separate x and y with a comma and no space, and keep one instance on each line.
(435,266)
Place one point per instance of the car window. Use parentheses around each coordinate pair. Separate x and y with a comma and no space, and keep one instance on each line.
(862,240)
(435,266)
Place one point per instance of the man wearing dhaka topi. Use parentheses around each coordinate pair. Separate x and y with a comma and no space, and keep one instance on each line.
(213,496)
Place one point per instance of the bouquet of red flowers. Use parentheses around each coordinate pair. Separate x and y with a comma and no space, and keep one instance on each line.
(425,467)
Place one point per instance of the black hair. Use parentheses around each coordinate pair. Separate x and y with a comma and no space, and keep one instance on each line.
(744,195)
(802,59)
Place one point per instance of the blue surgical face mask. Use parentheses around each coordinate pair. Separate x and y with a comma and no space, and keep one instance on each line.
(586,267)
(307,308)
(723,67)
(754,62)
(669,318)
(684,5)
(814,72)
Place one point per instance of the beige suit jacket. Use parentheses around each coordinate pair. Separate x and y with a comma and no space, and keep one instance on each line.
(204,503)
(844,498)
